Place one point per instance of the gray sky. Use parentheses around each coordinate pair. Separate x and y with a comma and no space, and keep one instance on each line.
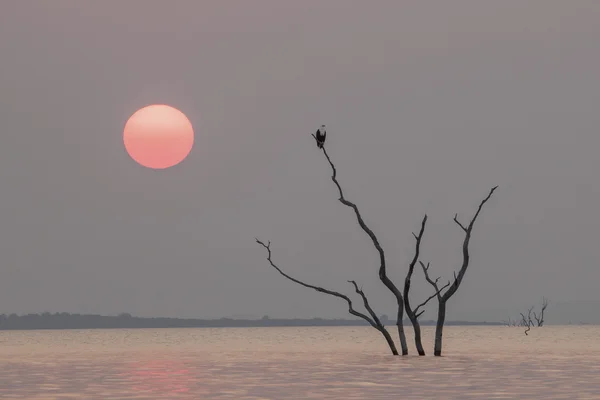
(428,104)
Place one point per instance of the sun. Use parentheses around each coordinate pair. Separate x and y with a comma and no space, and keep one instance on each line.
(158,136)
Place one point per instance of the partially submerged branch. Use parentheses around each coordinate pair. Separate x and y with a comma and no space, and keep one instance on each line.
(414,314)
(373,320)
(382,263)
(453,287)
(540,319)
(526,321)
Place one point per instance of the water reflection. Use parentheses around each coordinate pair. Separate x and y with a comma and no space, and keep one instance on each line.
(297,363)
(158,376)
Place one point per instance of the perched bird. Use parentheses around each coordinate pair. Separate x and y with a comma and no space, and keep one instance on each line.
(320,136)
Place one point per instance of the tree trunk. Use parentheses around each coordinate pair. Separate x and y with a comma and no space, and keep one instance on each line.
(401,333)
(390,341)
(417,329)
(439,328)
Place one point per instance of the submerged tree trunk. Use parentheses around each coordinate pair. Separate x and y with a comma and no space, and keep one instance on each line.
(443,298)
(414,314)
(417,329)
(401,334)
(390,341)
(439,328)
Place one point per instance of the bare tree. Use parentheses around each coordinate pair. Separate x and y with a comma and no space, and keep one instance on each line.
(526,321)
(511,322)
(443,298)
(382,262)
(373,320)
(414,315)
(540,319)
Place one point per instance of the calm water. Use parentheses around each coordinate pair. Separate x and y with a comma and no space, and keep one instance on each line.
(298,363)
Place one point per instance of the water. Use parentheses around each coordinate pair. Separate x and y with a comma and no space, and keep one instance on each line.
(298,363)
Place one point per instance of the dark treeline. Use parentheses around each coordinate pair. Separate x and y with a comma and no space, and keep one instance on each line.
(89,321)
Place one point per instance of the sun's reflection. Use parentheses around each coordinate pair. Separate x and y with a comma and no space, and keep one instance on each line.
(162,376)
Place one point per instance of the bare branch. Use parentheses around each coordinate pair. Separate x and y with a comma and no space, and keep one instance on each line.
(431,282)
(461,273)
(459,224)
(458,277)
(367,305)
(413,315)
(382,263)
(526,321)
(374,322)
(351,310)
(437,293)
(540,320)
(411,266)
(365,228)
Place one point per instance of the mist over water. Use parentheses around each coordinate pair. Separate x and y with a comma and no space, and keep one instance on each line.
(553,362)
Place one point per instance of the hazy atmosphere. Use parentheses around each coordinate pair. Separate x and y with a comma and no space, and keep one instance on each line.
(428,104)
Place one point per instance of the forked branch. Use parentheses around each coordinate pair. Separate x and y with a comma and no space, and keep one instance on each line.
(526,321)
(373,320)
(465,248)
(432,282)
(540,319)
(414,314)
(367,305)
(424,303)
(458,277)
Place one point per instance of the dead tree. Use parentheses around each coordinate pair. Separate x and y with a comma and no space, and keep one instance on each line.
(414,315)
(374,321)
(540,319)
(526,321)
(382,263)
(443,298)
(510,322)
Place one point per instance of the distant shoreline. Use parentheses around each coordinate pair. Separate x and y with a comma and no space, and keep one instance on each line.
(126,321)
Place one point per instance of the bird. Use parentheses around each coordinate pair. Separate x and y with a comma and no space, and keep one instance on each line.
(320,136)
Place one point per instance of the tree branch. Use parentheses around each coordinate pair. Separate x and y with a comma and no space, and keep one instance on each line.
(465,248)
(367,305)
(540,320)
(432,282)
(374,322)
(459,224)
(351,309)
(437,293)
(526,321)
(365,228)
(382,263)
(411,268)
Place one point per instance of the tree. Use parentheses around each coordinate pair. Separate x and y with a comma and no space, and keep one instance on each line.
(443,298)
(402,298)
(528,322)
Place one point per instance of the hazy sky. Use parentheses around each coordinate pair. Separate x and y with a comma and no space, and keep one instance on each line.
(428,104)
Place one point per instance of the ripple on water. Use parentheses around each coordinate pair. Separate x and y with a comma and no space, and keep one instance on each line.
(297,363)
